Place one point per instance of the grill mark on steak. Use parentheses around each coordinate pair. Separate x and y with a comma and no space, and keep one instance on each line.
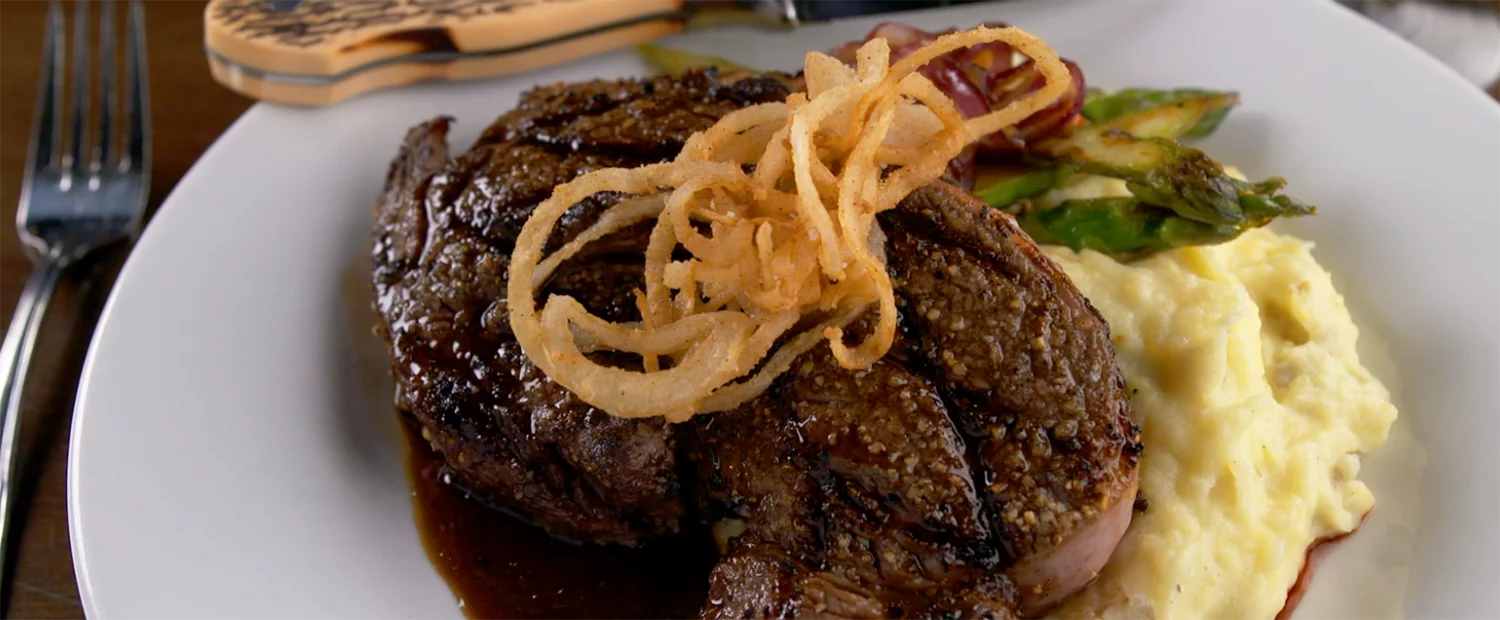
(444,231)
(858,499)
(1030,371)
(964,474)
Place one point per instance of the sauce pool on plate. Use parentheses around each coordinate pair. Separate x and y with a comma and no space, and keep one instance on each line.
(499,566)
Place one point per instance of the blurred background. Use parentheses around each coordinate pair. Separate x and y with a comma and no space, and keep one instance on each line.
(1464,35)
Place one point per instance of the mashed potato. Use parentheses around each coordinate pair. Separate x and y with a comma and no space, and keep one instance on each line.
(1253,406)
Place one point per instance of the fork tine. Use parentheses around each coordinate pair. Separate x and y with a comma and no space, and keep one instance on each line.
(73,157)
(46,131)
(107,66)
(137,101)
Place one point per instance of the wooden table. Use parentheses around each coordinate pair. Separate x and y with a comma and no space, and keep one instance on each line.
(190,111)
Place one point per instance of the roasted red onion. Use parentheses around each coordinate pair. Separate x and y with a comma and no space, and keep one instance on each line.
(987,58)
(949,77)
(980,79)
(1021,80)
(897,35)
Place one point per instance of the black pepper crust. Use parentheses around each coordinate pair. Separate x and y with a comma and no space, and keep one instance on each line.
(995,431)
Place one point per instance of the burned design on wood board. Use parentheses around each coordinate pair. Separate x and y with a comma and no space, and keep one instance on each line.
(312,22)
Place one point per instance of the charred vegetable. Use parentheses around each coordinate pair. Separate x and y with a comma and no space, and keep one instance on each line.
(672,61)
(1011,190)
(1144,113)
(1164,173)
(1180,196)
(1123,227)
(981,79)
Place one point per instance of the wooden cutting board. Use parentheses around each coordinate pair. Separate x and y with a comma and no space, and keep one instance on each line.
(317,52)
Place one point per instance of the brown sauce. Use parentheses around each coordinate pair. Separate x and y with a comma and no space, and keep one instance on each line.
(502,567)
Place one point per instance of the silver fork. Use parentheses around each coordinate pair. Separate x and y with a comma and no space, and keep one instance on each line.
(75,199)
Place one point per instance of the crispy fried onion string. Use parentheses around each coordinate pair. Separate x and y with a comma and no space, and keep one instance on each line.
(788,253)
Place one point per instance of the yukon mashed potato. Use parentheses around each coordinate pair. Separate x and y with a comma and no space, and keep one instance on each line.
(1253,406)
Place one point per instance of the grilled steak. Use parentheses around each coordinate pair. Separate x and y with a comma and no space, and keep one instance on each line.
(984,467)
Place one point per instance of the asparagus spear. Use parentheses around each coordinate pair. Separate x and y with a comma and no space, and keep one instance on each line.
(1026,185)
(1164,173)
(1180,196)
(669,61)
(1122,227)
(1181,113)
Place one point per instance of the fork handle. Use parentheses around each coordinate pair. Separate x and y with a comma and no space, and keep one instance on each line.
(15,356)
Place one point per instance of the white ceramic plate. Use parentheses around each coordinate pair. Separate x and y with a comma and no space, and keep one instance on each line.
(231,457)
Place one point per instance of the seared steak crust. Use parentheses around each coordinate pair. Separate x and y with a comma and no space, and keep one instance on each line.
(443,234)
(977,470)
